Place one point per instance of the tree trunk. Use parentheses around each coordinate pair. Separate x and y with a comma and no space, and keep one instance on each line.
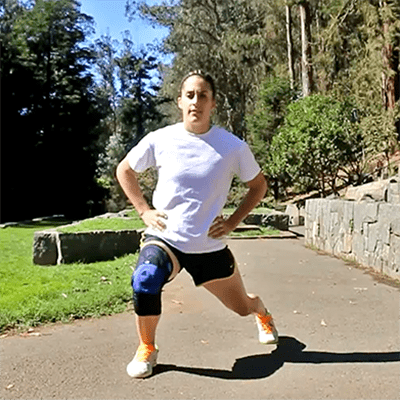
(289,44)
(389,73)
(307,73)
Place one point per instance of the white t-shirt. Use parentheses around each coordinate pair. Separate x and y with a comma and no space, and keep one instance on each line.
(195,173)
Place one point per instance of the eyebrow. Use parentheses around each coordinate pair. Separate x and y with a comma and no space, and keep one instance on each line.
(201,91)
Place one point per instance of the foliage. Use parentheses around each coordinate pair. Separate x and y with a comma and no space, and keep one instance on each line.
(71,130)
(273,98)
(50,113)
(316,139)
(133,109)
(358,39)
(60,121)
(226,38)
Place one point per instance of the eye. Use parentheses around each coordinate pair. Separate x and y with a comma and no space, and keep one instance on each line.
(190,95)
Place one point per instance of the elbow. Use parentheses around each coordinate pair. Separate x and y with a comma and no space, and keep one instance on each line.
(264,187)
(122,170)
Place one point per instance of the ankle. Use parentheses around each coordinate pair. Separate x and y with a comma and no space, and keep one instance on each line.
(150,346)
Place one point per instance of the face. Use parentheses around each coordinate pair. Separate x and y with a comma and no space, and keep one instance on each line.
(196,102)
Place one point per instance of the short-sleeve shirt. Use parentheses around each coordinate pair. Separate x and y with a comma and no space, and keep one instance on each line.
(195,173)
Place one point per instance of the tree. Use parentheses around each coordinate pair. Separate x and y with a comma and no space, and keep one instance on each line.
(49,108)
(289,39)
(306,54)
(269,113)
(129,90)
(226,38)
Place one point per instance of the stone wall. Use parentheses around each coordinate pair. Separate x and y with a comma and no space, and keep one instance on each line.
(274,220)
(52,247)
(367,231)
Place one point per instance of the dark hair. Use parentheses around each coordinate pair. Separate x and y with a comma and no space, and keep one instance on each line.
(204,75)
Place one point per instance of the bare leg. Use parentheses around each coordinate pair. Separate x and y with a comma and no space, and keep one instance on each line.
(146,328)
(232,293)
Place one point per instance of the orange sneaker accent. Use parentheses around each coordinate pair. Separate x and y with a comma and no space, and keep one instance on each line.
(267,322)
(144,352)
(267,332)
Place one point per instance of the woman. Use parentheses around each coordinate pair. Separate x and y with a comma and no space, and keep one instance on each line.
(196,163)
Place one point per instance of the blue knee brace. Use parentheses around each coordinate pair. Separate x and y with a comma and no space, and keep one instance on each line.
(148,278)
(152,272)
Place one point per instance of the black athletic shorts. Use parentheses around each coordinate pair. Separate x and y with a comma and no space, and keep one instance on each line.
(203,267)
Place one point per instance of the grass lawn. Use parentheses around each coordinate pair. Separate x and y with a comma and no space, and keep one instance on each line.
(263,231)
(114,224)
(32,294)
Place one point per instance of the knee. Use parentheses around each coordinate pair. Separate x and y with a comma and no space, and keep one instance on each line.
(147,283)
(148,278)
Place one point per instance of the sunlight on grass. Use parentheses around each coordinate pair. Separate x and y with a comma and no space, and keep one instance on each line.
(32,294)
(99,224)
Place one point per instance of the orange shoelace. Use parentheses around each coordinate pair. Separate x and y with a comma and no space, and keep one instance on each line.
(266,322)
(144,352)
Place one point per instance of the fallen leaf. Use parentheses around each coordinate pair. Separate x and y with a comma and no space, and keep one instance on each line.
(177,302)
(323,323)
(10,386)
(64,295)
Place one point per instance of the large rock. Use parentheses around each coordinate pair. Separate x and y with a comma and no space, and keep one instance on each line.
(45,248)
(275,219)
(52,247)
(385,190)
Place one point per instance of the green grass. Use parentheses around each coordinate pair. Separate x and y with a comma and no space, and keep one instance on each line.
(113,224)
(31,295)
(263,231)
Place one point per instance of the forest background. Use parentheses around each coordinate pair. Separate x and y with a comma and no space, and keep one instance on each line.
(312,86)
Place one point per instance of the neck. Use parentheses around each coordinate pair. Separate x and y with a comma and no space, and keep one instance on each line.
(197,129)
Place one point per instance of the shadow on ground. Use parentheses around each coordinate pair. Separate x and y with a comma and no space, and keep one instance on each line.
(289,350)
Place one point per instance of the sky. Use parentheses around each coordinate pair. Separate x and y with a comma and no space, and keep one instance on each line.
(110,15)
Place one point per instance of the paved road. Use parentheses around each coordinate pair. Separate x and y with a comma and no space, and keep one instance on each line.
(339,339)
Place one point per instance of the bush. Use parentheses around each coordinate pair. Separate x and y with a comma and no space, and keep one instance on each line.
(317,138)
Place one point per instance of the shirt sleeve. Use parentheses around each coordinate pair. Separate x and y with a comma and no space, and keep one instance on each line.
(248,167)
(141,157)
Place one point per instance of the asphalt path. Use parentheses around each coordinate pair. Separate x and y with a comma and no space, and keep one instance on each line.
(338,328)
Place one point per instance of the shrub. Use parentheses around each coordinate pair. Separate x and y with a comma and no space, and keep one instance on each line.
(317,138)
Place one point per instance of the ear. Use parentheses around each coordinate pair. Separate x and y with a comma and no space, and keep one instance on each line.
(180,102)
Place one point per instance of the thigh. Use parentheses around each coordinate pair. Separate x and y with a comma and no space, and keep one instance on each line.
(230,291)
(207,267)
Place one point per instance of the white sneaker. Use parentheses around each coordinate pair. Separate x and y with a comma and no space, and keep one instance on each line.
(144,361)
(267,332)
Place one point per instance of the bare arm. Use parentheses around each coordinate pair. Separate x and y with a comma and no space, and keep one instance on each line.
(257,189)
(129,183)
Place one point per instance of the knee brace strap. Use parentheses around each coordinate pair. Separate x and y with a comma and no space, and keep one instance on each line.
(175,263)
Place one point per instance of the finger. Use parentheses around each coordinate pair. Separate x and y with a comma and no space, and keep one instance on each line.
(161,214)
(160,224)
(216,231)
